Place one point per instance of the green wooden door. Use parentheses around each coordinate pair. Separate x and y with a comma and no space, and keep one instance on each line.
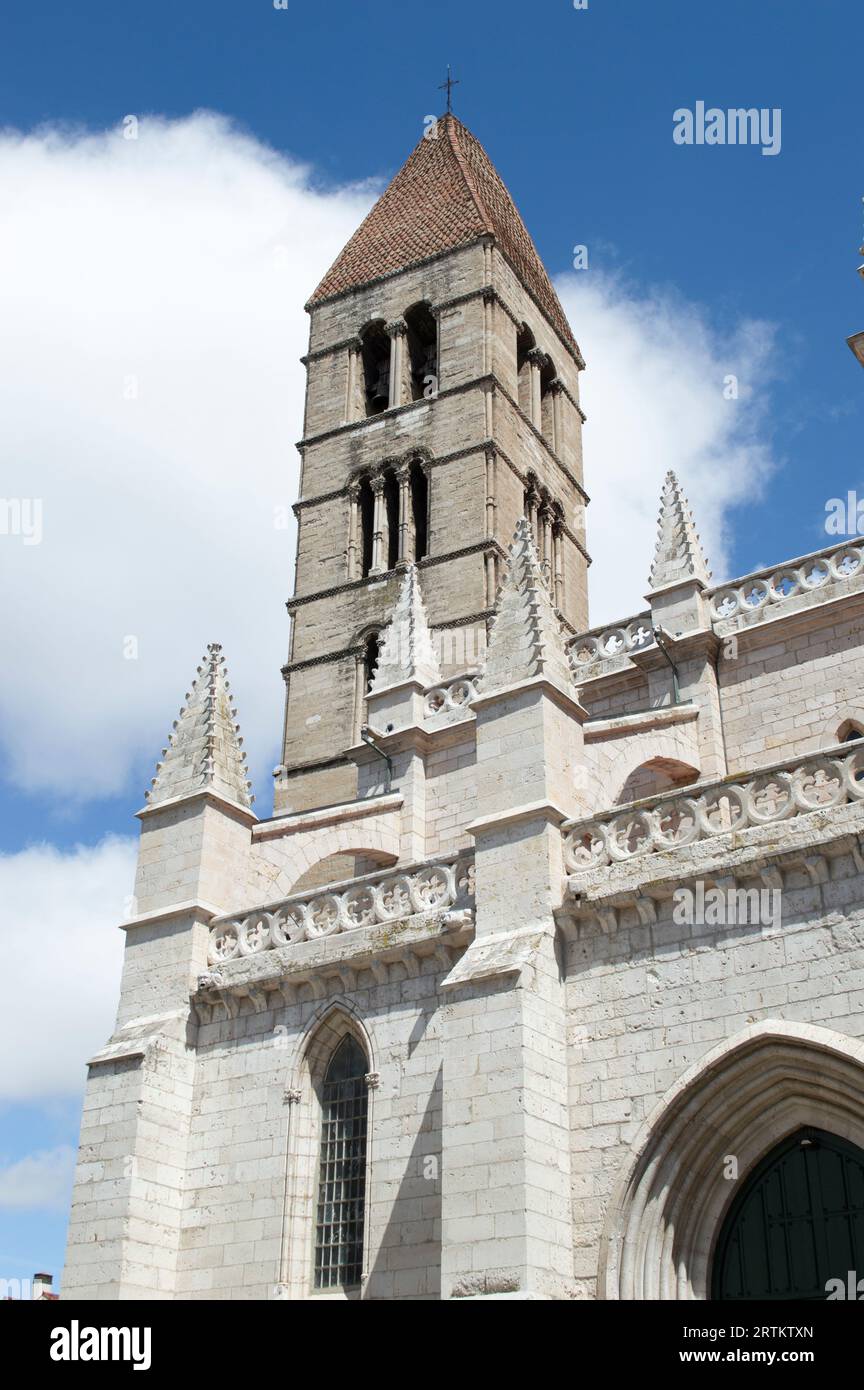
(797,1222)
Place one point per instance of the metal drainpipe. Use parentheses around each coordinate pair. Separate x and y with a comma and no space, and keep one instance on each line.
(367,737)
(660,639)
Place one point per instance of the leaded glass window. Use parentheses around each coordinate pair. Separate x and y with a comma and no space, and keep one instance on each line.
(341,1200)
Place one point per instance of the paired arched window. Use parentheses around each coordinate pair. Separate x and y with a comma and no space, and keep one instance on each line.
(546,516)
(388,518)
(538,386)
(391,364)
(340,1205)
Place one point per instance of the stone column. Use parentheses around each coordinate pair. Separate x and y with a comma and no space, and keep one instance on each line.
(359,694)
(546,545)
(532,503)
(373,1081)
(396,330)
(406,527)
(379,523)
(556,389)
(491,507)
(536,359)
(352,412)
(353,528)
(557,563)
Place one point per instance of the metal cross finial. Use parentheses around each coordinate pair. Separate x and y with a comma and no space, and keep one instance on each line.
(449,84)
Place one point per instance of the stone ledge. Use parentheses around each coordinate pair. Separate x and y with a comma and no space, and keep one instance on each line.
(139,1038)
(189,907)
(224,803)
(753,849)
(294,821)
(498,954)
(658,718)
(377,947)
(530,810)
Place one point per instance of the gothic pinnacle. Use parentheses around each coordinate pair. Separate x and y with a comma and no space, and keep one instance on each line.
(204,749)
(678,554)
(526,638)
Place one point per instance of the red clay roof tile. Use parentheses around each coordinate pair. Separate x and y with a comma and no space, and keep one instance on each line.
(446,195)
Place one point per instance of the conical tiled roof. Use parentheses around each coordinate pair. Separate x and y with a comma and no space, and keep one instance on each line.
(526,638)
(447,194)
(204,751)
(406,651)
(678,555)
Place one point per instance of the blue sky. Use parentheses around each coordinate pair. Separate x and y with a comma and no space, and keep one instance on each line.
(575,109)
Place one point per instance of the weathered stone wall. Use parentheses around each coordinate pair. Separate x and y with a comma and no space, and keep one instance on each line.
(793,683)
(647,1000)
(238,1240)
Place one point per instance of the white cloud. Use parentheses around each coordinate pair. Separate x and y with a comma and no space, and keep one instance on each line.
(653,392)
(61,965)
(176,264)
(41,1180)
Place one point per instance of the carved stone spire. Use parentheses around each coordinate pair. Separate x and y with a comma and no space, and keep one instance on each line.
(205,750)
(406,651)
(678,555)
(526,640)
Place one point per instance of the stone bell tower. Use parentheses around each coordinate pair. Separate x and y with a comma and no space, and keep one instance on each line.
(442,404)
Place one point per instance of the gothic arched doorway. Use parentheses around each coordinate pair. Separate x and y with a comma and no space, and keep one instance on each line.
(797,1222)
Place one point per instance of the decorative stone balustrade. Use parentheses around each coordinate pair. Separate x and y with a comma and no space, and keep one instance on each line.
(816,782)
(363,902)
(601,644)
(455,697)
(759,591)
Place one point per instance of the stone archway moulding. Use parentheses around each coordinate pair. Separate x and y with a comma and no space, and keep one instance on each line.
(741,1099)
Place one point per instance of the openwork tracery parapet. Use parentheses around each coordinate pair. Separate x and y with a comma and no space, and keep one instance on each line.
(363,902)
(815,783)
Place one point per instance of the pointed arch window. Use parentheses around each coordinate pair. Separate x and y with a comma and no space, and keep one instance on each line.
(340,1214)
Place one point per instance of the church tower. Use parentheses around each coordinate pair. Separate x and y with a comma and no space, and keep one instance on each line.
(442,404)
(458,1021)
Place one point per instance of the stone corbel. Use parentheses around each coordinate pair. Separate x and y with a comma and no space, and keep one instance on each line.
(817,868)
(608,919)
(771,877)
(646,909)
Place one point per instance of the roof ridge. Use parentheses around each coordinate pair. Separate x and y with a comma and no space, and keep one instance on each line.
(453,127)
